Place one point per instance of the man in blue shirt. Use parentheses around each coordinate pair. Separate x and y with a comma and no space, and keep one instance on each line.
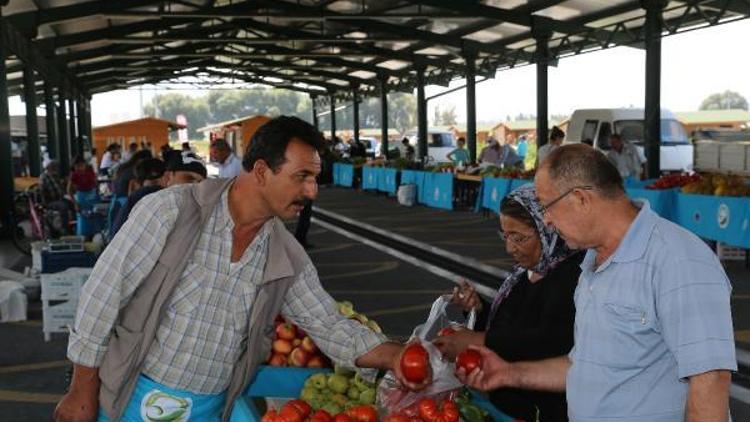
(522,147)
(653,329)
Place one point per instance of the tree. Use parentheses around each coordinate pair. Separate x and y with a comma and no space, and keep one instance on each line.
(724,101)
(169,106)
(448,116)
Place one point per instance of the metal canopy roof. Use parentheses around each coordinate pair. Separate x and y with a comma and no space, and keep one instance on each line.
(318,46)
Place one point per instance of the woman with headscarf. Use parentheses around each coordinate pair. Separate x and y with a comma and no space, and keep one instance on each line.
(532,314)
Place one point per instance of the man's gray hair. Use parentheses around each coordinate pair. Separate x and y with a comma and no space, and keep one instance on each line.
(221,145)
(576,165)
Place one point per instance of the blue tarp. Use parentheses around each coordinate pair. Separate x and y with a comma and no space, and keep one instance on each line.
(387,180)
(517,183)
(492,192)
(438,190)
(370,177)
(661,201)
(343,174)
(720,218)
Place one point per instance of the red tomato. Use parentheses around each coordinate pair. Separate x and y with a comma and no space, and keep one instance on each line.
(363,414)
(321,416)
(414,363)
(270,416)
(342,417)
(302,407)
(469,360)
(446,332)
(450,411)
(289,413)
(428,410)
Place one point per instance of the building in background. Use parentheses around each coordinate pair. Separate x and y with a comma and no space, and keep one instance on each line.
(151,132)
(714,120)
(237,132)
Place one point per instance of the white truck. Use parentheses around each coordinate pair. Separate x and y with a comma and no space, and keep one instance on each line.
(596,126)
(440,143)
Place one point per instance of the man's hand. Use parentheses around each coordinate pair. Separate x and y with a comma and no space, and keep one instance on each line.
(396,368)
(81,403)
(493,374)
(453,344)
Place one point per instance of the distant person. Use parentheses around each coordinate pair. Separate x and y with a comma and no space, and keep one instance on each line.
(93,161)
(164,151)
(82,184)
(222,155)
(186,147)
(459,156)
(132,149)
(154,174)
(53,195)
(406,149)
(556,137)
(625,157)
(125,182)
(499,156)
(108,160)
(522,148)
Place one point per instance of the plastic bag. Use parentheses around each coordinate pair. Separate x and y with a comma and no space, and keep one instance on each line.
(391,396)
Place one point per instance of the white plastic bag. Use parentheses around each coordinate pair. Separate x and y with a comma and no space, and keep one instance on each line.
(407,194)
(391,396)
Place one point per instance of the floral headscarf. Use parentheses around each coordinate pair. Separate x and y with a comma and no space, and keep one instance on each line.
(554,249)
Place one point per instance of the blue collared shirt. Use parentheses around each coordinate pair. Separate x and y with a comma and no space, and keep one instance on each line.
(652,315)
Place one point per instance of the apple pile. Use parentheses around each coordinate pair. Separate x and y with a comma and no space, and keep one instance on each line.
(293,347)
(346,309)
(339,391)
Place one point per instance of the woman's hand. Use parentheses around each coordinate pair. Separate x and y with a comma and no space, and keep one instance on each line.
(466,297)
(453,344)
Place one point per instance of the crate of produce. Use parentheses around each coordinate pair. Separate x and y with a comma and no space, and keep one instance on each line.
(64,285)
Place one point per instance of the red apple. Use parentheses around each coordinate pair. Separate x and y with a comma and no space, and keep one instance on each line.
(286,331)
(298,357)
(277,360)
(283,347)
(308,345)
(316,361)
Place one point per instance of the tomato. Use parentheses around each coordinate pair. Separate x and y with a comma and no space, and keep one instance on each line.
(428,410)
(302,407)
(468,360)
(414,363)
(342,417)
(289,413)
(321,416)
(363,413)
(446,332)
(450,411)
(270,416)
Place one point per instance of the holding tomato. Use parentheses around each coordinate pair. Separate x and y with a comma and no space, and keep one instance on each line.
(430,412)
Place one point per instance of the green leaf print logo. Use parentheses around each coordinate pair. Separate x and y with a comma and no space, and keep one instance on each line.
(158,406)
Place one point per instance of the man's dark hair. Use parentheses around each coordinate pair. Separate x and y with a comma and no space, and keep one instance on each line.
(615,136)
(575,165)
(221,144)
(270,141)
(149,169)
(405,141)
(509,207)
(556,133)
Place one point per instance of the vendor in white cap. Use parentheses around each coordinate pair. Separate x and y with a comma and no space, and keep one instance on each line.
(499,155)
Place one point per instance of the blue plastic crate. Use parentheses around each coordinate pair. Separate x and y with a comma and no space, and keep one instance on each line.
(54,262)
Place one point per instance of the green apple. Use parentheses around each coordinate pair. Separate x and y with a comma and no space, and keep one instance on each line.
(338,383)
(318,381)
(331,408)
(353,393)
(367,396)
(339,399)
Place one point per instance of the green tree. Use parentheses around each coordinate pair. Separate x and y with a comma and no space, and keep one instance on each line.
(448,116)
(169,106)
(724,101)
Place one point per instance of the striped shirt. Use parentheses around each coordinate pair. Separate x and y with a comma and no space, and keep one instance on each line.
(203,332)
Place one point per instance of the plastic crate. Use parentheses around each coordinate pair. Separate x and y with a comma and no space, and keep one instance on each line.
(57,317)
(730,253)
(64,285)
(54,262)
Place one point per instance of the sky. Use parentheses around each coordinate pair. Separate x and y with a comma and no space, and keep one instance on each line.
(695,65)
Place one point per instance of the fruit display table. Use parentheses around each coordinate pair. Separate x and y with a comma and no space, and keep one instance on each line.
(433,189)
(720,218)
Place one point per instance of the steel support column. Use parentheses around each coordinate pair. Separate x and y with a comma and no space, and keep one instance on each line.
(72,127)
(355,112)
(471,107)
(314,111)
(652,107)
(32,125)
(542,37)
(384,116)
(6,158)
(53,143)
(333,119)
(421,116)
(81,124)
(63,131)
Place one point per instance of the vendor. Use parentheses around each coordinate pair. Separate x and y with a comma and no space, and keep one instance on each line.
(203,347)
(499,155)
(531,316)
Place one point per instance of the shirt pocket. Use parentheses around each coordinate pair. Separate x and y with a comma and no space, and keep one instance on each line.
(187,295)
(626,328)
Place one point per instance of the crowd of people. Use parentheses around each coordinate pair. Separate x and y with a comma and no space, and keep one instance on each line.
(609,313)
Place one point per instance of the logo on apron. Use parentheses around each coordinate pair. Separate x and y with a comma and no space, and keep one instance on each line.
(158,406)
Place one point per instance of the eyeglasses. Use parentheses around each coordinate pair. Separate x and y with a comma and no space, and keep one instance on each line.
(515,238)
(546,207)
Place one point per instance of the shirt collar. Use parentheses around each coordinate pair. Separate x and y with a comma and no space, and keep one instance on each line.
(224,220)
